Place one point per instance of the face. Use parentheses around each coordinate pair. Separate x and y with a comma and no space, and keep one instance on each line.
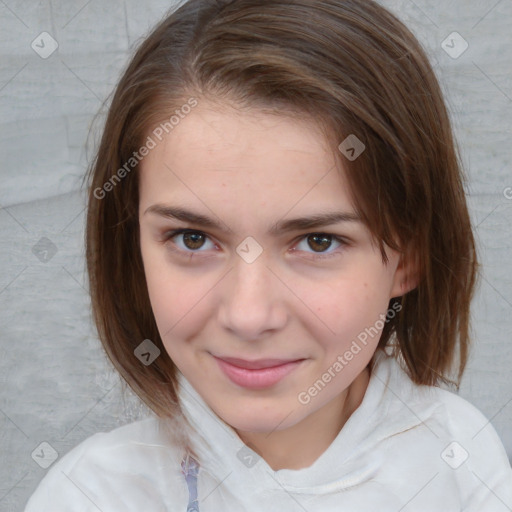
(244,281)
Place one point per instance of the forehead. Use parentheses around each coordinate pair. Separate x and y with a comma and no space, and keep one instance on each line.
(224,156)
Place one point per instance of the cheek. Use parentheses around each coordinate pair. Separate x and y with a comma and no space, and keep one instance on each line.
(348,308)
(174,296)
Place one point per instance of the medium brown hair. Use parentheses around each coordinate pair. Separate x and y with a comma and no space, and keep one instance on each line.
(357,70)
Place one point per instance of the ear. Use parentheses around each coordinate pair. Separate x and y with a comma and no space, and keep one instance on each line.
(406,275)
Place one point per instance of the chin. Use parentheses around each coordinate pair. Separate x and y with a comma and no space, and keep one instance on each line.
(258,425)
(257,421)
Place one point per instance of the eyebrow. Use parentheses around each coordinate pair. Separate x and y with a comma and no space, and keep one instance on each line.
(310,222)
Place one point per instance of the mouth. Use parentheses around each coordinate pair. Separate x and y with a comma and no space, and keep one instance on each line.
(258,374)
(257,364)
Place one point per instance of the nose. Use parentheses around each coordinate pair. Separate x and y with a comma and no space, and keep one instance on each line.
(252,303)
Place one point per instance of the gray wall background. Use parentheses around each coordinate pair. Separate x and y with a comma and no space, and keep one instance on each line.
(55,383)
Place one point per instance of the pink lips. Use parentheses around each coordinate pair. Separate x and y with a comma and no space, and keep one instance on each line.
(258,374)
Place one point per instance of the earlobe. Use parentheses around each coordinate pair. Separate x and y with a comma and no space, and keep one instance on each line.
(406,275)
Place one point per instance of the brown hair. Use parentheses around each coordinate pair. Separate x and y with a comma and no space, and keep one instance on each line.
(355,68)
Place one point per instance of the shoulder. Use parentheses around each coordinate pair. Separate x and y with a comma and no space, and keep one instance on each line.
(453,417)
(472,453)
(447,413)
(453,439)
(128,468)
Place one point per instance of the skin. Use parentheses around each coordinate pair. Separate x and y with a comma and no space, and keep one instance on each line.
(248,170)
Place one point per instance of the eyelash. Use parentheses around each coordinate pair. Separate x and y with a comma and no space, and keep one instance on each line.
(316,256)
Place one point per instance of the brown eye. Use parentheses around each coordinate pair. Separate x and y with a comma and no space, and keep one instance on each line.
(193,240)
(187,241)
(319,246)
(319,242)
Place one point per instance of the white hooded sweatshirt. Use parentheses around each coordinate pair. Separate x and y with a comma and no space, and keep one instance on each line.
(405,448)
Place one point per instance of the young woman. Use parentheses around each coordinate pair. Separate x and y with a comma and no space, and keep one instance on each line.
(281,265)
